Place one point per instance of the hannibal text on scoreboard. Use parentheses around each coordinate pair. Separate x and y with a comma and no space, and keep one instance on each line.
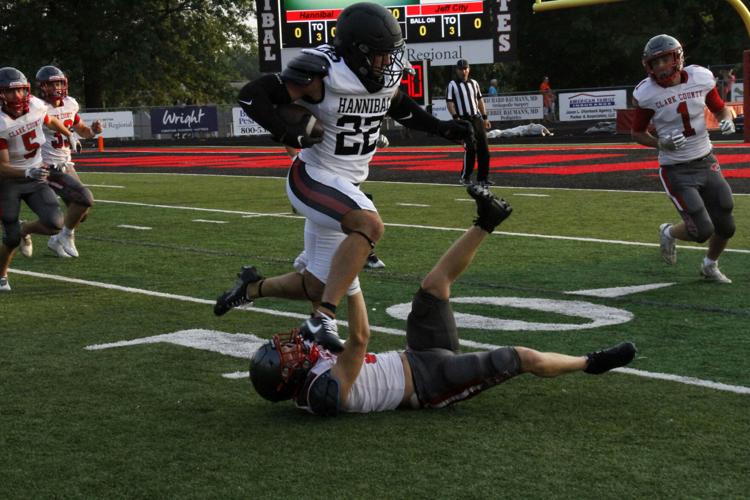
(441,31)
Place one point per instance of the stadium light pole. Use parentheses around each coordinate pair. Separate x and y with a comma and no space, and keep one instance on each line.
(739,6)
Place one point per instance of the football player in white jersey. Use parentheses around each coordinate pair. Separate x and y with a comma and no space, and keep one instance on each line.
(675,98)
(349,87)
(56,154)
(23,176)
(431,373)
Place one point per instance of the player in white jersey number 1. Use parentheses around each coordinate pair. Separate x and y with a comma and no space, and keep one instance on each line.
(349,87)
(675,99)
(23,176)
(56,154)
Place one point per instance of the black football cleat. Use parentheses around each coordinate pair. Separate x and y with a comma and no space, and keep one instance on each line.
(323,331)
(237,295)
(491,210)
(609,358)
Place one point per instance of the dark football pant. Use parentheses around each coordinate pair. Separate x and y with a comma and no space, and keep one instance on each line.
(479,153)
(38,196)
(702,197)
(442,376)
(70,189)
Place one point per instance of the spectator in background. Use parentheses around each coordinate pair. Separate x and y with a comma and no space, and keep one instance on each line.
(729,79)
(548,99)
(493,87)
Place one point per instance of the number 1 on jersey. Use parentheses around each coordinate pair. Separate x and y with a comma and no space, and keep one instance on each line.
(682,109)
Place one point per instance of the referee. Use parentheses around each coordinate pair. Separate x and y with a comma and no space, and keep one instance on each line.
(465,102)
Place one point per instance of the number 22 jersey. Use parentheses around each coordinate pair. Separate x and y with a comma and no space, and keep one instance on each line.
(351,118)
(680,108)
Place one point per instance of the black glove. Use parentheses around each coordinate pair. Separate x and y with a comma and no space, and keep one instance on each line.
(297,135)
(456,131)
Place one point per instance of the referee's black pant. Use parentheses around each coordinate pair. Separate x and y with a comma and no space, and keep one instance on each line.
(479,152)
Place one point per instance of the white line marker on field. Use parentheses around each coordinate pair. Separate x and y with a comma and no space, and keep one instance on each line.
(620,290)
(139,228)
(464,199)
(737,389)
(434,228)
(211,221)
(278,214)
(412,205)
(104,186)
(532,194)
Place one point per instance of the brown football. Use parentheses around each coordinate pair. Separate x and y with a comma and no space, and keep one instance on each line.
(294,114)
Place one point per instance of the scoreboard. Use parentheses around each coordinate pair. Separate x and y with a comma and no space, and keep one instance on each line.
(307,23)
(441,31)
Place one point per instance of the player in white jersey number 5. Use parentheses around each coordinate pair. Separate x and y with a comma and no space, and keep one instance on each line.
(431,372)
(349,87)
(675,99)
(23,176)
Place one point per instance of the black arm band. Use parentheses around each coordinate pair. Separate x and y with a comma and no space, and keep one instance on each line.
(258,98)
(409,114)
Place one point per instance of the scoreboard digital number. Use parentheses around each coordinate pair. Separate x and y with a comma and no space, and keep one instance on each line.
(307,23)
(414,82)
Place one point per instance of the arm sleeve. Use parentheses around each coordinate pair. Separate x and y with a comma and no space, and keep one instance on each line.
(76,119)
(479,91)
(46,119)
(409,114)
(641,120)
(449,96)
(3,144)
(713,101)
(258,98)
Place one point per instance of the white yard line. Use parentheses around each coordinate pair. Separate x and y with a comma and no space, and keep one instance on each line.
(737,389)
(211,221)
(417,226)
(138,228)
(104,186)
(412,205)
(536,195)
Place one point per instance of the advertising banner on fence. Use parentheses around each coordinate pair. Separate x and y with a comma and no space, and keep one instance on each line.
(114,123)
(184,119)
(592,105)
(501,108)
(244,125)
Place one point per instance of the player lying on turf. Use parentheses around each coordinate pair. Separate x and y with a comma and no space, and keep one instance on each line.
(431,372)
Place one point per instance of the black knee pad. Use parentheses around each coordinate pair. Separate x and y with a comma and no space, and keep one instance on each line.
(724,225)
(699,227)
(12,234)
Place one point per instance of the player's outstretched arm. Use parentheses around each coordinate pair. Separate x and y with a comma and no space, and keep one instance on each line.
(88,132)
(349,362)
(56,125)
(409,114)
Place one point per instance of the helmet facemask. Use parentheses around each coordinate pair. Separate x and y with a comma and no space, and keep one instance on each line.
(52,93)
(389,74)
(12,104)
(665,74)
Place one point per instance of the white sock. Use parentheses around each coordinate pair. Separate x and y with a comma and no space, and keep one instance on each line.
(668,231)
(67,232)
(707,262)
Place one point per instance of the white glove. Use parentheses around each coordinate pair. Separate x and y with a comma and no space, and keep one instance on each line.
(300,263)
(672,142)
(75,144)
(37,173)
(63,166)
(726,126)
(382,142)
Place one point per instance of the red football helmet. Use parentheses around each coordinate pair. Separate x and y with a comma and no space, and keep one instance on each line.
(13,103)
(659,46)
(47,77)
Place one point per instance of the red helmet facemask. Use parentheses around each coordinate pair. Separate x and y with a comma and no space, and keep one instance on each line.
(667,71)
(12,104)
(296,356)
(49,93)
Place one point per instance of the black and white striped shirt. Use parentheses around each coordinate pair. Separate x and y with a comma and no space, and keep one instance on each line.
(465,96)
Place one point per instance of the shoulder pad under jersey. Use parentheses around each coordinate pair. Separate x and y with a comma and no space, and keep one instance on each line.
(323,395)
(302,69)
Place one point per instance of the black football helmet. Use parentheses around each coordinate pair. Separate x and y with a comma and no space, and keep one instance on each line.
(11,79)
(280,366)
(363,31)
(659,46)
(46,78)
